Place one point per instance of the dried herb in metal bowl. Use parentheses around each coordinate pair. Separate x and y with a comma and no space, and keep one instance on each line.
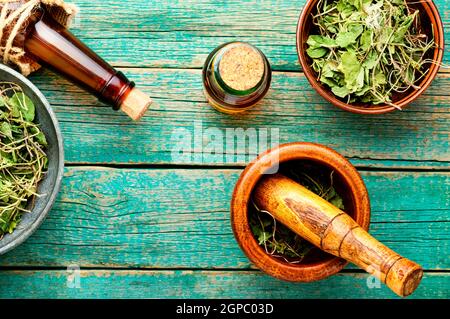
(22,157)
(368,50)
(278,240)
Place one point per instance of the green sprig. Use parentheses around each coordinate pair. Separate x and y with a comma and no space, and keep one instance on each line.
(22,157)
(278,240)
(367,50)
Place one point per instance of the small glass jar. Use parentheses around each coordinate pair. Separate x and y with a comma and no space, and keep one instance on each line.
(236,76)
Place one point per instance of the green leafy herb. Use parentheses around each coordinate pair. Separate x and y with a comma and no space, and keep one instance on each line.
(277,239)
(22,158)
(367,50)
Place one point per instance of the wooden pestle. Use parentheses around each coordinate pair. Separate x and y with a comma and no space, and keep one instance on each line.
(335,232)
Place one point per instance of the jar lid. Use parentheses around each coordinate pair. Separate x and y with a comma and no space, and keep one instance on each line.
(239,68)
(236,76)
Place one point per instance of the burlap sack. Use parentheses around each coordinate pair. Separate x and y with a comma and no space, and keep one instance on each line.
(15,17)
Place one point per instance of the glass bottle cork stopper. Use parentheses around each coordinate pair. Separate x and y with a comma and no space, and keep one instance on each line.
(236,76)
(241,68)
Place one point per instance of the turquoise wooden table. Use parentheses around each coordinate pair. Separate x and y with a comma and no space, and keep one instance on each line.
(140,223)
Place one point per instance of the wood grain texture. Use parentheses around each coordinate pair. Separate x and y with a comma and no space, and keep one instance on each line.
(164,218)
(200,284)
(180,34)
(416,137)
(172,219)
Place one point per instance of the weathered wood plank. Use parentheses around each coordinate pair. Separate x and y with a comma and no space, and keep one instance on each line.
(200,284)
(181,34)
(163,218)
(418,136)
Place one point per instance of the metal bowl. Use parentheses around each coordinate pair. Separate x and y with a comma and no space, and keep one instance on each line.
(50,185)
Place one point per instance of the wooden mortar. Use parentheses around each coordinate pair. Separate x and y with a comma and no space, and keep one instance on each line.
(316,220)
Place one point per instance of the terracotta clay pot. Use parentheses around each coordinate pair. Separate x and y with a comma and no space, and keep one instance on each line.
(432,24)
(347,182)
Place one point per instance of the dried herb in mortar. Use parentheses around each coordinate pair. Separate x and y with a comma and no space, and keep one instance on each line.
(22,158)
(277,239)
(367,50)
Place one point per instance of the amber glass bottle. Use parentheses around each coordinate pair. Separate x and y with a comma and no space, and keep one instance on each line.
(57,48)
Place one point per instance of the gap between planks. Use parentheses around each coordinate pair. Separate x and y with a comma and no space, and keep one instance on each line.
(445,71)
(166,269)
(212,166)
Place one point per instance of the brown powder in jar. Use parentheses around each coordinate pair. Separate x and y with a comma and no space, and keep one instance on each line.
(241,68)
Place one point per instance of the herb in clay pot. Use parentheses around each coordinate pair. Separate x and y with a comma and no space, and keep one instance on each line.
(368,51)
